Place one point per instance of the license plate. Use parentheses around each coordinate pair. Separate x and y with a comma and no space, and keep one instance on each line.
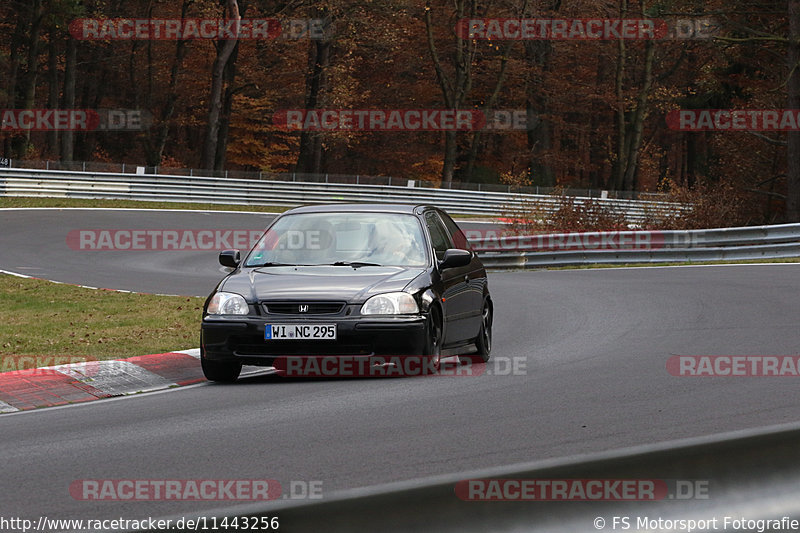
(299,332)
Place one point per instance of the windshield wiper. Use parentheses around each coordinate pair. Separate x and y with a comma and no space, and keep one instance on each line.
(354,264)
(270,264)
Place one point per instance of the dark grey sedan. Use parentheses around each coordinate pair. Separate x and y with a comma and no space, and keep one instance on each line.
(350,282)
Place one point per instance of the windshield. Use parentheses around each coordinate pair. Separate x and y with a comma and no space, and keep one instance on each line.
(386,239)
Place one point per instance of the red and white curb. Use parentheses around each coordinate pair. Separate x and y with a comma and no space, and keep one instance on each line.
(50,386)
(22,390)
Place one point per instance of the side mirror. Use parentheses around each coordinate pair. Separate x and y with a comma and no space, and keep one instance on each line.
(230,258)
(454,258)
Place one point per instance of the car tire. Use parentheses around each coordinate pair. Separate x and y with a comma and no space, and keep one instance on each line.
(221,371)
(433,341)
(483,342)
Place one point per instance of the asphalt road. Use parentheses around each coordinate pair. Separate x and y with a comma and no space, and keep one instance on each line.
(50,243)
(592,345)
(46,243)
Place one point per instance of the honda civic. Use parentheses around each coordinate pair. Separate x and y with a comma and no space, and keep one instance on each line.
(349,281)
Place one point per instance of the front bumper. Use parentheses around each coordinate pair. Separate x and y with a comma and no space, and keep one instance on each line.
(242,338)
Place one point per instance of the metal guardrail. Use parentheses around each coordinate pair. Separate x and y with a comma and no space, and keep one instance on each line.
(705,238)
(566,249)
(762,242)
(751,475)
(255,192)
(346,179)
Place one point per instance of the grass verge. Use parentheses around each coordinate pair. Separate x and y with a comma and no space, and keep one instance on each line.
(43,318)
(31,201)
(36,201)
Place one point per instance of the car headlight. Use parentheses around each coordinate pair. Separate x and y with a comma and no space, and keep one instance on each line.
(227,303)
(392,303)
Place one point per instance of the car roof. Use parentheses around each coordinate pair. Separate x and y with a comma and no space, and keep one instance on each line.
(362,208)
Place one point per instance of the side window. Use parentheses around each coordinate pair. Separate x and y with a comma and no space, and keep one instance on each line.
(459,239)
(439,238)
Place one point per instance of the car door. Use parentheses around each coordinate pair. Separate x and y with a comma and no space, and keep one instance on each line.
(475,273)
(455,293)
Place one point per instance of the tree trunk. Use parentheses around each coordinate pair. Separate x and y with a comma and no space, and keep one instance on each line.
(11,88)
(450,154)
(157,141)
(93,91)
(491,102)
(34,39)
(27,90)
(692,160)
(455,91)
(600,170)
(538,56)
(53,92)
(227,105)
(68,137)
(310,157)
(217,82)
(637,122)
(618,177)
(793,88)
(539,141)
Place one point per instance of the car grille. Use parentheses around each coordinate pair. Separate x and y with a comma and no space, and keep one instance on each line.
(308,308)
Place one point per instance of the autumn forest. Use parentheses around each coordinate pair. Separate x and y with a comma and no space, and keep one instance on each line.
(593,112)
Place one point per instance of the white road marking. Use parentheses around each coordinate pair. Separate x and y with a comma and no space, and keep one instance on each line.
(5,408)
(194,352)
(117,378)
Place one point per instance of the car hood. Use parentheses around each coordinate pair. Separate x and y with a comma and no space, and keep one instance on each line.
(318,282)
